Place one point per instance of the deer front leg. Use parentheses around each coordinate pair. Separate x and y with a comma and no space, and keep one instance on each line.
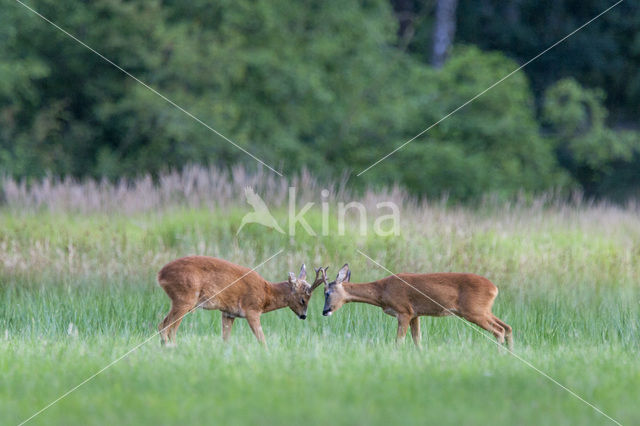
(403,325)
(227,323)
(415,330)
(254,322)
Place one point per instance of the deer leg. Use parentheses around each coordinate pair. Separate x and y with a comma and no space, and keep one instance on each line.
(167,323)
(254,322)
(163,329)
(403,325)
(498,331)
(415,330)
(507,331)
(488,324)
(173,320)
(227,323)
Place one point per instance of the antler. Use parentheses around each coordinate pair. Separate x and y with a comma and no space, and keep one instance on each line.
(321,277)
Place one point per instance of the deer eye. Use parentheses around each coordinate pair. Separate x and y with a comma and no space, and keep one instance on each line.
(302,301)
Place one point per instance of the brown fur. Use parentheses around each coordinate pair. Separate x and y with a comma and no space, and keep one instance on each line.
(409,296)
(210,283)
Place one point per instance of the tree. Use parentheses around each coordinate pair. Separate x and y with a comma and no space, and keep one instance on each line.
(320,84)
(604,54)
(443,31)
(575,119)
(493,145)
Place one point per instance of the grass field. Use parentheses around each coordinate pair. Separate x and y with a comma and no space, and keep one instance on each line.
(77,290)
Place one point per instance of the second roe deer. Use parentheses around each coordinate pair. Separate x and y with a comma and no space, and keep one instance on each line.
(238,292)
(410,296)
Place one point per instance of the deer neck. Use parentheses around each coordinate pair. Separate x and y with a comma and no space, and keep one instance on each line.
(364,293)
(278,296)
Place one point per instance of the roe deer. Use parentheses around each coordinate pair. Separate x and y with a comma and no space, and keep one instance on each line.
(466,295)
(238,292)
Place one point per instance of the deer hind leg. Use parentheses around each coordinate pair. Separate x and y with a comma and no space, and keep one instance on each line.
(403,325)
(165,326)
(507,331)
(169,326)
(227,323)
(488,323)
(164,330)
(415,330)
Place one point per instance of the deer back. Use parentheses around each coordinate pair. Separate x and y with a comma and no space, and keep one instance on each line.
(215,283)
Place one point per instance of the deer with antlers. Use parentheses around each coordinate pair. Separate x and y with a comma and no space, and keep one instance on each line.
(410,296)
(238,292)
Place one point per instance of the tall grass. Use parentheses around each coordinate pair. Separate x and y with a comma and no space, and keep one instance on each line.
(77,289)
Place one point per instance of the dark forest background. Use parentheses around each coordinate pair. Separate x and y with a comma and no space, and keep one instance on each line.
(330,86)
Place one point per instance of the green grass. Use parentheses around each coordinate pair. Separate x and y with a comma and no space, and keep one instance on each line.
(568,280)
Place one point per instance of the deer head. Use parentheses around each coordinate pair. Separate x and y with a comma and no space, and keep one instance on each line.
(334,294)
(301,290)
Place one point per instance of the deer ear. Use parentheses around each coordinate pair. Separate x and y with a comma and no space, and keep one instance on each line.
(303,273)
(343,274)
(292,278)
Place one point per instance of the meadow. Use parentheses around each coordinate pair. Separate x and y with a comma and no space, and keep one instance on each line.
(78,290)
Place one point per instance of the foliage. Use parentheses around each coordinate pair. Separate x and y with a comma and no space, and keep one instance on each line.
(280,79)
(606,53)
(491,145)
(576,119)
(322,85)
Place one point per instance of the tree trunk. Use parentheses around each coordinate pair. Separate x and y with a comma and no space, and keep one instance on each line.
(444,30)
